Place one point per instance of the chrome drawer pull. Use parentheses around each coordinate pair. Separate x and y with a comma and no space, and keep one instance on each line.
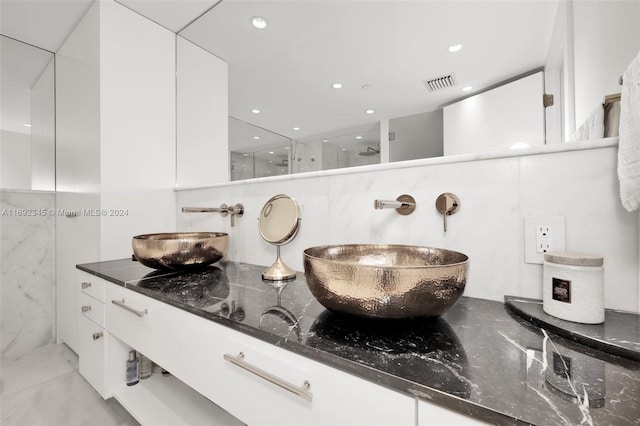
(86,308)
(123,305)
(302,391)
(98,335)
(85,285)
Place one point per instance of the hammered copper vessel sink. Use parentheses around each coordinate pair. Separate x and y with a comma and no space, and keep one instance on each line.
(180,250)
(385,281)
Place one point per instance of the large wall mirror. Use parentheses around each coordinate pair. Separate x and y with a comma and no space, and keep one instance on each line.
(348,83)
(27,119)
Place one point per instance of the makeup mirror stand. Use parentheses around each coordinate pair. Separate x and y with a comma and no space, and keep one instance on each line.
(278,271)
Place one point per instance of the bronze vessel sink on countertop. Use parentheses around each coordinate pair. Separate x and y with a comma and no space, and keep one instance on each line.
(180,250)
(385,281)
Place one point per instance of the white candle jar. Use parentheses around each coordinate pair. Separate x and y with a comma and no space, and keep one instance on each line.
(573,287)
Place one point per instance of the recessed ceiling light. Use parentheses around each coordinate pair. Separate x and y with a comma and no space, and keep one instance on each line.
(286,147)
(519,145)
(255,111)
(337,85)
(271,161)
(296,128)
(467,89)
(325,140)
(455,48)
(27,125)
(358,137)
(245,155)
(370,111)
(271,152)
(256,137)
(343,149)
(259,22)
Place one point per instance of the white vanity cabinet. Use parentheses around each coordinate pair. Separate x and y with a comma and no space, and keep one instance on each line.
(93,340)
(193,349)
(221,376)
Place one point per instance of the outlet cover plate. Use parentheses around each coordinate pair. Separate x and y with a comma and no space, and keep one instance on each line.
(530,224)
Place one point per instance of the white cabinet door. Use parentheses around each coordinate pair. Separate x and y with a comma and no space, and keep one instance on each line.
(93,349)
(430,414)
(77,241)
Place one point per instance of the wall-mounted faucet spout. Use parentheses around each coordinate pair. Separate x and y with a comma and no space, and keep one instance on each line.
(224,210)
(404,204)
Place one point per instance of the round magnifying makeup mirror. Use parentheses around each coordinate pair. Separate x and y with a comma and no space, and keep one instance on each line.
(278,224)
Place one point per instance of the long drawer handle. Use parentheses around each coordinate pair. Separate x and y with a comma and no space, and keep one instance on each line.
(85,285)
(302,391)
(85,308)
(123,305)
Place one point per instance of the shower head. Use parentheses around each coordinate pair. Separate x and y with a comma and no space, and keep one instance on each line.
(370,151)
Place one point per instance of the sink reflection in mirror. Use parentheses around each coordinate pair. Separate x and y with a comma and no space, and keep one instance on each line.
(428,350)
(200,289)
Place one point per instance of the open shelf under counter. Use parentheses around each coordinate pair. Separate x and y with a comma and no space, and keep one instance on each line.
(165,400)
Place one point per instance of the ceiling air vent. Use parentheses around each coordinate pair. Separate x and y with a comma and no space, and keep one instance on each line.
(440,82)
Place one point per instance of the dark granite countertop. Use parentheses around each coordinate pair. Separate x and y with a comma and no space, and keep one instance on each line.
(478,359)
(619,334)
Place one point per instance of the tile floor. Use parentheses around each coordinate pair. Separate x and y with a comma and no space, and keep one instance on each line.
(44,388)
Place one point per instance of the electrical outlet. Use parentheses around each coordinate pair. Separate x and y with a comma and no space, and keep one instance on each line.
(542,234)
(544,239)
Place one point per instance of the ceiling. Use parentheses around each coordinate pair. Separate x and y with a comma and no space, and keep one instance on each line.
(381,51)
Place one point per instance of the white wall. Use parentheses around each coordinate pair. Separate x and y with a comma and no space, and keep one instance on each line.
(416,136)
(203,110)
(495,196)
(496,119)
(43,131)
(610,31)
(137,127)
(15,160)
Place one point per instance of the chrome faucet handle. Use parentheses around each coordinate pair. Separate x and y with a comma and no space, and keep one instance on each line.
(447,204)
(237,210)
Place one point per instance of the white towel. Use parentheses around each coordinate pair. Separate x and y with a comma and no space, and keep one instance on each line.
(593,126)
(629,144)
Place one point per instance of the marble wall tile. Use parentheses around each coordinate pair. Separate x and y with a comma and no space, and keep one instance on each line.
(27,286)
(584,189)
(495,194)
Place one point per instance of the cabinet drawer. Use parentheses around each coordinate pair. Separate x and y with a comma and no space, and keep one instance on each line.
(92,309)
(91,285)
(93,345)
(194,349)
(337,397)
(132,318)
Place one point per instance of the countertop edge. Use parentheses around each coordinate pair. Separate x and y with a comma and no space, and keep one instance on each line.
(568,334)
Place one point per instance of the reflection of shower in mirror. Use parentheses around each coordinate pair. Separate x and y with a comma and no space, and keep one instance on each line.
(369,152)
